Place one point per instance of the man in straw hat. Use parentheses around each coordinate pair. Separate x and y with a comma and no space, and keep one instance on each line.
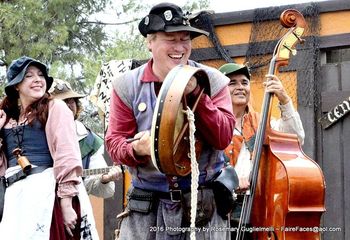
(91,145)
(239,152)
(153,211)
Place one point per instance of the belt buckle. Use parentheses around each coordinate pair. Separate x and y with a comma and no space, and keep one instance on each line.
(175,195)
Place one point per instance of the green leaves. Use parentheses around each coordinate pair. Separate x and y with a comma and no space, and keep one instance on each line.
(50,30)
(66,35)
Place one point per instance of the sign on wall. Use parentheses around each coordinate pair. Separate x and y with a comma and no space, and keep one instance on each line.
(335,114)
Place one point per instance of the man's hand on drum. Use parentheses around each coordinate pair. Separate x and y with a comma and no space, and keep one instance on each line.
(191,86)
(142,147)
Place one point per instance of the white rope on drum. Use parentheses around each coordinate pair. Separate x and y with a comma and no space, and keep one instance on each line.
(194,172)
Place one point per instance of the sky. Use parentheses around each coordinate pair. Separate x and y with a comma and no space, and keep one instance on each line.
(237,5)
(231,6)
(221,6)
(218,6)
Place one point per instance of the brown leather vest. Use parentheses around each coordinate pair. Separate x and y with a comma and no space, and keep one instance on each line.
(249,126)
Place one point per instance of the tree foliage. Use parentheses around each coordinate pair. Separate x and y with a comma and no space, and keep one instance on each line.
(74,37)
(63,34)
(55,30)
(127,42)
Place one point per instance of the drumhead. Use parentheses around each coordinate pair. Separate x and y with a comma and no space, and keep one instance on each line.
(169,150)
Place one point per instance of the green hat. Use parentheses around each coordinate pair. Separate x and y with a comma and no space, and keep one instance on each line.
(235,68)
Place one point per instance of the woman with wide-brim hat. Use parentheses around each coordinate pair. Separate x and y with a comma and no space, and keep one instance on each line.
(40,160)
(91,145)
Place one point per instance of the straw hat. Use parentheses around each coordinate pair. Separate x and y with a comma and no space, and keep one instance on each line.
(62,90)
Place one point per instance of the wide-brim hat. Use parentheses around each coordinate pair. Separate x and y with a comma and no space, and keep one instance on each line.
(17,70)
(168,17)
(234,68)
(62,90)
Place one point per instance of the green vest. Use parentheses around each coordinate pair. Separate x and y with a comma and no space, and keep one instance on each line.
(89,146)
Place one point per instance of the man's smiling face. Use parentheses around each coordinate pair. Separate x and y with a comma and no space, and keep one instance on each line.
(239,89)
(169,50)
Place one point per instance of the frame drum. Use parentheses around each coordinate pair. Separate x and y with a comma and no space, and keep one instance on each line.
(170,146)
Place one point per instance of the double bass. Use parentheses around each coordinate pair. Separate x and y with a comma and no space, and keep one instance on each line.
(286,198)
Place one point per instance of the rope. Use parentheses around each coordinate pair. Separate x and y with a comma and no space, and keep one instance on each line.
(194,172)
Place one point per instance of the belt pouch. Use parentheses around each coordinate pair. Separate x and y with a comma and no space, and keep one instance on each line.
(205,207)
(2,195)
(223,187)
(140,200)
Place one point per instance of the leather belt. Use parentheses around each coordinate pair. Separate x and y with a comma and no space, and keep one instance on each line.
(21,175)
(174,195)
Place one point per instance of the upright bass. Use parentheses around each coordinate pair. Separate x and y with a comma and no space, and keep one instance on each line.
(287,189)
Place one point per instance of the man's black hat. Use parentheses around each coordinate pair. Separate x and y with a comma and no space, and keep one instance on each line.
(168,17)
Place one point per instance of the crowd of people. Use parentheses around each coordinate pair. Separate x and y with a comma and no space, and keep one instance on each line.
(45,147)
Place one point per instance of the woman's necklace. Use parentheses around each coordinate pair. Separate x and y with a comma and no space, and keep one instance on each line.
(18,131)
